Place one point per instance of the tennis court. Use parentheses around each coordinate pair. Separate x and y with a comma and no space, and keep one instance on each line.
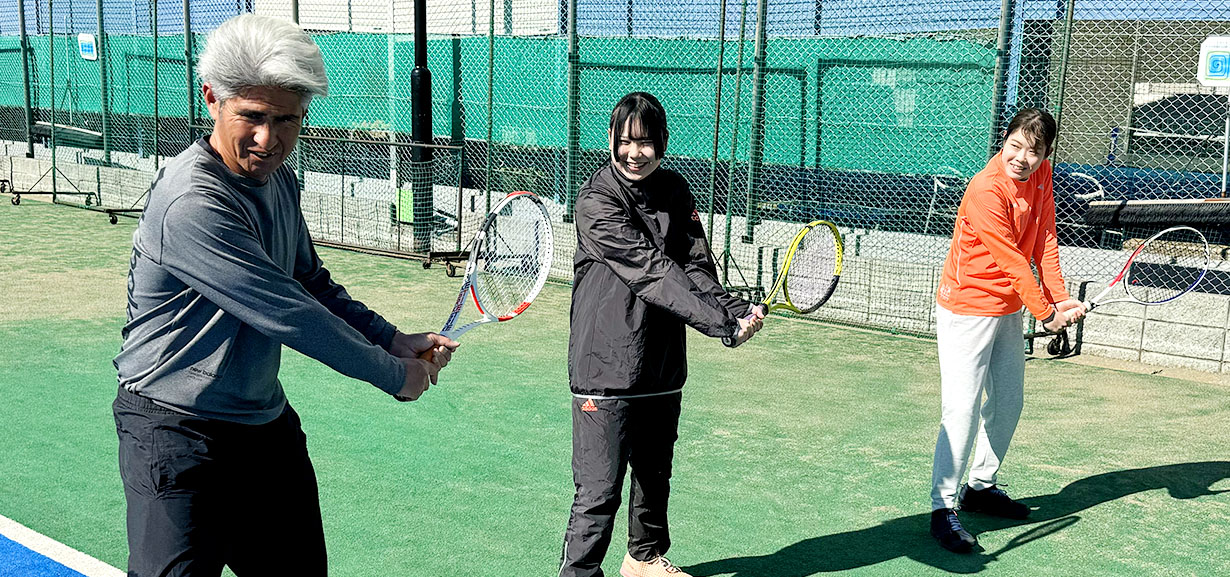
(807,451)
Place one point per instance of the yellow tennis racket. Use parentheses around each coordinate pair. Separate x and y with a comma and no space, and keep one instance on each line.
(809,272)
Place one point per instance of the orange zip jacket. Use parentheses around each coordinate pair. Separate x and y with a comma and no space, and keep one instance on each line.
(1001,226)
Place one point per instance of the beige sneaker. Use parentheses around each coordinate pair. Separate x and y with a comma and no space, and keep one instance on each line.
(658,567)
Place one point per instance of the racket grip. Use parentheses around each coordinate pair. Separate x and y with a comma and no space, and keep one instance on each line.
(429,356)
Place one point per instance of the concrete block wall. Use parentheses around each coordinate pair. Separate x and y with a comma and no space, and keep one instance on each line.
(1190,333)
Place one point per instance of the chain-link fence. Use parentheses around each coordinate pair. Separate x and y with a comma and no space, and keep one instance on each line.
(871,114)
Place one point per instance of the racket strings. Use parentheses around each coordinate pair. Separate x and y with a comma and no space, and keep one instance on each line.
(1168,266)
(811,269)
(513,258)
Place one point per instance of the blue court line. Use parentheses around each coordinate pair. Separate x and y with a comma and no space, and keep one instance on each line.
(18,561)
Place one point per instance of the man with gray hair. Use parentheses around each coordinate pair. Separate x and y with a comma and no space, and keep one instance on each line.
(223,273)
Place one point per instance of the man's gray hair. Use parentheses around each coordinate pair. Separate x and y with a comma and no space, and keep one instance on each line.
(249,50)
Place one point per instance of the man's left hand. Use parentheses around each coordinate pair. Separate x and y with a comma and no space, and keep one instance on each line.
(413,346)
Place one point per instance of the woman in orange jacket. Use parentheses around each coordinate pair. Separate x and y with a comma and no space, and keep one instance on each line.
(1006,221)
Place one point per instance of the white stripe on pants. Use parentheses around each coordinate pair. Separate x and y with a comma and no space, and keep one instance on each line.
(976,354)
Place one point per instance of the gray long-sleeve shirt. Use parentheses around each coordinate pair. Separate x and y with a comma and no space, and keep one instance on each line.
(223,273)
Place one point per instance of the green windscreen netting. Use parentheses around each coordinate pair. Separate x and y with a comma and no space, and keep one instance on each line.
(871,114)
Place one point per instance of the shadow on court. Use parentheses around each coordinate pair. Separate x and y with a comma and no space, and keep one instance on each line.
(910,537)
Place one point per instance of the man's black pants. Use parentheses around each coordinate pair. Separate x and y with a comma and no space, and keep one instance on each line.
(204,493)
(608,436)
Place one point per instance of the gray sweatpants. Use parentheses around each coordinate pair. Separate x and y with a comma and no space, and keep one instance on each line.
(977,355)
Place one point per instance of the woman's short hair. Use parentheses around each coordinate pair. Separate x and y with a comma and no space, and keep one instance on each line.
(645,108)
(1037,124)
(249,50)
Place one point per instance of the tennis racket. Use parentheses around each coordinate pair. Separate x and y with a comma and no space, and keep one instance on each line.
(809,272)
(1161,269)
(510,258)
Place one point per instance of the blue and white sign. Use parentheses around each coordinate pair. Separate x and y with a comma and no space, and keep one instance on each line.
(88,46)
(1214,66)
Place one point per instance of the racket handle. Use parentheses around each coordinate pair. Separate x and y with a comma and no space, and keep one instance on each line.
(429,356)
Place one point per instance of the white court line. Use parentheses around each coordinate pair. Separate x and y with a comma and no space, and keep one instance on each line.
(56,551)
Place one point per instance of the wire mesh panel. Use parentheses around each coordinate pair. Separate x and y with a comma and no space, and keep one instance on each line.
(872,114)
(1134,123)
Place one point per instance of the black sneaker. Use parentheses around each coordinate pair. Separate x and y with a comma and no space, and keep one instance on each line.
(992,501)
(947,529)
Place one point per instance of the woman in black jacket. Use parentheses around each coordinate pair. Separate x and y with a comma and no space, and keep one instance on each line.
(643,270)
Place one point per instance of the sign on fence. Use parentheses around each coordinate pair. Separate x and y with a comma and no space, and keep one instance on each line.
(1214,65)
(87,46)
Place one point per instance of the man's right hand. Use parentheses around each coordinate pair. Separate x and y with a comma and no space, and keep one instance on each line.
(420,376)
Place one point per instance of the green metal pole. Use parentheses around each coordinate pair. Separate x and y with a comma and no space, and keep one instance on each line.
(734,146)
(1002,54)
(102,84)
(422,162)
(1130,108)
(1063,72)
(391,112)
(490,100)
(756,149)
(25,76)
(717,118)
(51,72)
(189,73)
(154,30)
(301,154)
(574,114)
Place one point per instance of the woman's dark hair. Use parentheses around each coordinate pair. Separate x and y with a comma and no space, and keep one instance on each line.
(1037,124)
(645,108)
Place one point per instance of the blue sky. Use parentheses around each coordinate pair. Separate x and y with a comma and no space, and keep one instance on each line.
(675,17)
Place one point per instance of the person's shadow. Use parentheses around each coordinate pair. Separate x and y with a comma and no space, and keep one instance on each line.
(910,536)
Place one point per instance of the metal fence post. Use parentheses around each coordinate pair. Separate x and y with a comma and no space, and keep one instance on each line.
(1002,54)
(104,95)
(25,76)
(189,74)
(756,148)
(574,114)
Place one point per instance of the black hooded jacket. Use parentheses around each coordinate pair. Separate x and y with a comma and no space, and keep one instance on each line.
(642,271)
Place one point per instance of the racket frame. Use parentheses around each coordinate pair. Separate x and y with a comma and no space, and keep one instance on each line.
(450,329)
(784,276)
(1125,274)
(1124,277)
(779,284)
